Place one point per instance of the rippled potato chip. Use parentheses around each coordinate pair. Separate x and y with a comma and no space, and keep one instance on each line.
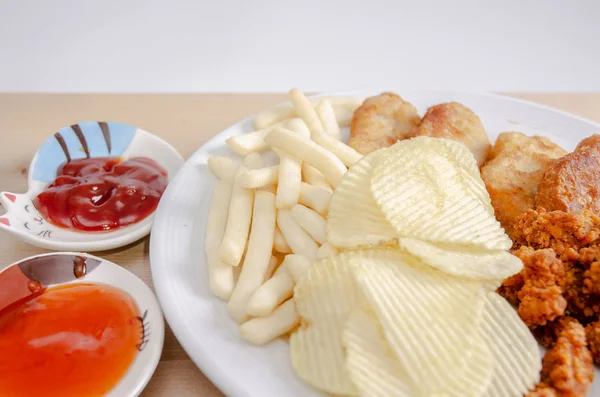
(477,374)
(463,261)
(469,169)
(371,363)
(324,297)
(354,218)
(516,354)
(421,188)
(408,299)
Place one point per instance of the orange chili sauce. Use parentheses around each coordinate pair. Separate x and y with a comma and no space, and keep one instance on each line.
(72,340)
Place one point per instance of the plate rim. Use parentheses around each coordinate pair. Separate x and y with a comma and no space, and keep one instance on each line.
(217,375)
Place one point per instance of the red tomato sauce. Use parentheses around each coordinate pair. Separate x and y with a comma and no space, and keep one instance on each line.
(101,194)
(69,341)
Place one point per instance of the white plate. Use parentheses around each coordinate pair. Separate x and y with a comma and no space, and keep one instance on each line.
(200,321)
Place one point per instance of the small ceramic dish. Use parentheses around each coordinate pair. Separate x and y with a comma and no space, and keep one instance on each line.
(58,269)
(88,139)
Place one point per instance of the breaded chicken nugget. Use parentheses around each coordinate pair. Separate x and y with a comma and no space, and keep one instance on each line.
(590,141)
(381,121)
(572,183)
(457,122)
(517,163)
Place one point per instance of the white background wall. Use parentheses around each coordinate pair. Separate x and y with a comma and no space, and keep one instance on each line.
(271,45)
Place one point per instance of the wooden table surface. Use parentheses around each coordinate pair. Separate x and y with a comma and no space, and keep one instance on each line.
(186,121)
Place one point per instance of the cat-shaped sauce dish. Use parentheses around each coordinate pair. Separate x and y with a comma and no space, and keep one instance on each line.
(92,186)
(75,324)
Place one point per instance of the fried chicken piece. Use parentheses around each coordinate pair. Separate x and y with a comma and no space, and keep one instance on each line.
(459,123)
(547,335)
(510,288)
(589,257)
(542,390)
(568,366)
(565,233)
(513,171)
(541,298)
(592,335)
(572,183)
(591,279)
(381,121)
(582,306)
(540,305)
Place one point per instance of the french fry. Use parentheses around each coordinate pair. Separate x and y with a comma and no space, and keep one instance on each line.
(299,241)
(327,116)
(314,177)
(254,161)
(274,115)
(343,116)
(342,105)
(262,330)
(339,102)
(279,243)
(311,222)
(258,178)
(258,255)
(223,167)
(270,188)
(326,250)
(314,197)
(296,265)
(220,275)
(289,180)
(298,126)
(309,151)
(348,155)
(279,113)
(305,110)
(238,223)
(273,266)
(271,294)
(280,269)
(251,142)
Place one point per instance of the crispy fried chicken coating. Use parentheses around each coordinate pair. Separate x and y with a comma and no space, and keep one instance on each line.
(568,366)
(564,232)
(540,296)
(592,335)
(510,288)
(542,390)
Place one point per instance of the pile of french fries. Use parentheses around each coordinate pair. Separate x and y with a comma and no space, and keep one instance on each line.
(267,223)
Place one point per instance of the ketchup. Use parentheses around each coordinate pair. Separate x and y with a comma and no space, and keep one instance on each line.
(101,194)
(71,340)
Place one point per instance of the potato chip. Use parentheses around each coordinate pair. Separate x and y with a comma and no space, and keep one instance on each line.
(422,192)
(354,218)
(463,261)
(515,351)
(324,297)
(468,163)
(477,375)
(430,319)
(370,361)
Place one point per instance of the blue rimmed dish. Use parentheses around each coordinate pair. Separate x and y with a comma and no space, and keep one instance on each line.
(82,140)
